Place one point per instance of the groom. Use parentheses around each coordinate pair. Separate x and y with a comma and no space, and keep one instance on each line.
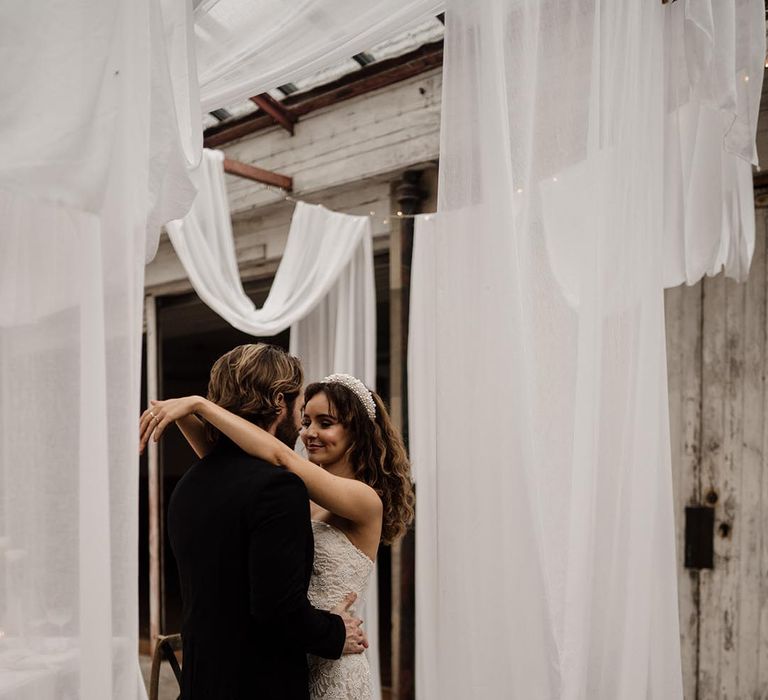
(241,534)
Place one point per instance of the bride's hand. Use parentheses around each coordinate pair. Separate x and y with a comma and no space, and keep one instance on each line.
(161,413)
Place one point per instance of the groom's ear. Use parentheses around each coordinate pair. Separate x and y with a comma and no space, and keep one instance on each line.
(280,400)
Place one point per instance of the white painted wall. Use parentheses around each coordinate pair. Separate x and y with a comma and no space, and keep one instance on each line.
(344,157)
(382,132)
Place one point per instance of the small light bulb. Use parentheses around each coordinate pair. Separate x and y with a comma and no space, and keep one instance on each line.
(427,217)
(519,190)
(373,213)
(746,78)
(399,213)
(386,221)
(554,179)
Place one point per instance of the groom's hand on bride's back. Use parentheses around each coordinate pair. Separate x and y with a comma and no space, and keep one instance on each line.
(356,641)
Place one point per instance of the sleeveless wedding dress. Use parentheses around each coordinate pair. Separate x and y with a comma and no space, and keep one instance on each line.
(339,568)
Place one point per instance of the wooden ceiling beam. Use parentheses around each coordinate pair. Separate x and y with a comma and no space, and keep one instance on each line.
(251,172)
(373,77)
(269,105)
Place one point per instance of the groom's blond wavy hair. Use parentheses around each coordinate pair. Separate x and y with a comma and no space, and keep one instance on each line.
(248,381)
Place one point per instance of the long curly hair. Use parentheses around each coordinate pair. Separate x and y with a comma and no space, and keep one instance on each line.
(377,455)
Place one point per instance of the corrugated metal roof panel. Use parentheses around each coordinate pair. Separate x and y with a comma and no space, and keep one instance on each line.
(401,44)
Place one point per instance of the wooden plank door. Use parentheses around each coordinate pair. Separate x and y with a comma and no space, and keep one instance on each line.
(683,321)
(716,344)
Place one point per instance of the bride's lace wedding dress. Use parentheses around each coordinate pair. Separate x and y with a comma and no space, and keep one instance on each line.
(339,568)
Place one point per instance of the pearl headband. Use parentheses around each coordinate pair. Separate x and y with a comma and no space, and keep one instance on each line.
(357,388)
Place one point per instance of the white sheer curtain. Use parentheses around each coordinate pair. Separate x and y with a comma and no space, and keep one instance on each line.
(325,252)
(715,55)
(84,100)
(246,48)
(422,447)
(339,333)
(540,438)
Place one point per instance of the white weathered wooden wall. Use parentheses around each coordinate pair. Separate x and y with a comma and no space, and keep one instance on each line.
(717,363)
(381,132)
(345,156)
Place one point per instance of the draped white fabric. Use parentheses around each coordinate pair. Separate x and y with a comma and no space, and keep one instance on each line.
(714,71)
(422,446)
(339,333)
(326,252)
(246,48)
(546,564)
(85,102)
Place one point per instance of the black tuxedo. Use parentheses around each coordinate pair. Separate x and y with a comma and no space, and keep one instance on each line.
(240,530)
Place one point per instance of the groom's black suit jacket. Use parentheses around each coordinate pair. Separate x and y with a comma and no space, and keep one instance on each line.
(241,534)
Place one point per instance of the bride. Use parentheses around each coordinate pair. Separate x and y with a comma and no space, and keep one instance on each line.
(358,479)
